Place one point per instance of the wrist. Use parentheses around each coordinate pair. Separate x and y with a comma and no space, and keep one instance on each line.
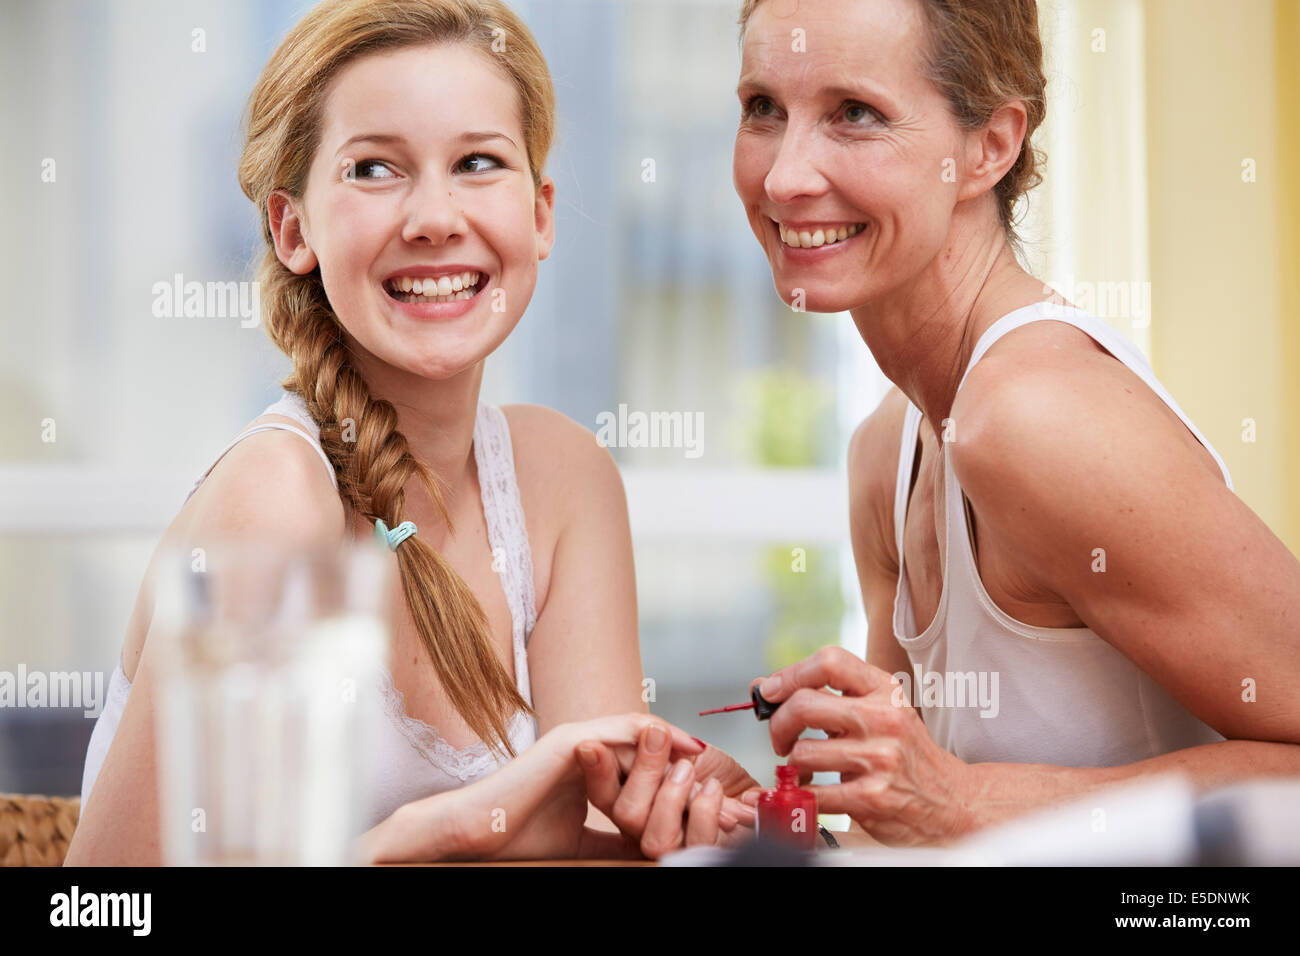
(422,831)
(967,814)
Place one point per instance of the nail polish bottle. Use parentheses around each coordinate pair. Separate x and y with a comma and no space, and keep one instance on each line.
(787,812)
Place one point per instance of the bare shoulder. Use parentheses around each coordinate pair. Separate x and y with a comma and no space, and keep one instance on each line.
(558,460)
(1036,429)
(271,486)
(873,466)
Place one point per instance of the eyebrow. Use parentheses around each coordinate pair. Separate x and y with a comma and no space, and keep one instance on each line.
(396,139)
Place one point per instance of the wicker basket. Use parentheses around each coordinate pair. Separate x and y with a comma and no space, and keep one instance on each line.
(34,830)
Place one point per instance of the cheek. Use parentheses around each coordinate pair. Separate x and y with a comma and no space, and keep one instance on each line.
(750,163)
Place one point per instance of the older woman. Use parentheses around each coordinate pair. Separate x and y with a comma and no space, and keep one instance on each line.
(1097,603)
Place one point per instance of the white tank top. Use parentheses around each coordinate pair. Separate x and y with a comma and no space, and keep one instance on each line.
(1063,696)
(411,759)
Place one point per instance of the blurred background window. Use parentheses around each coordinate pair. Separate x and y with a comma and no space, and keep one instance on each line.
(122,132)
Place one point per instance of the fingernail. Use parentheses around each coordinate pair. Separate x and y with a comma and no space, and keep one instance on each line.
(587,756)
(655,739)
(727,820)
(712,787)
(700,742)
(770,686)
(681,771)
(750,798)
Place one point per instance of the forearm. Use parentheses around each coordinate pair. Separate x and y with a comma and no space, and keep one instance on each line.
(477,820)
(996,792)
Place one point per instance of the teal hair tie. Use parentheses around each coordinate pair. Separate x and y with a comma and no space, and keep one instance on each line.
(396,536)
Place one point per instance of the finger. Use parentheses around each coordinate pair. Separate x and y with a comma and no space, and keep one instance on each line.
(830,666)
(702,825)
(812,709)
(634,802)
(600,769)
(837,798)
(663,828)
(847,755)
(626,729)
(738,810)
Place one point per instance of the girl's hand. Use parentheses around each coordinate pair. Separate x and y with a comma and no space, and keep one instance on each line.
(534,807)
(895,781)
(660,804)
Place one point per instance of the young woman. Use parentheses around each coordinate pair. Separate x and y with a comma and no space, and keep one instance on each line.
(394,152)
(1029,506)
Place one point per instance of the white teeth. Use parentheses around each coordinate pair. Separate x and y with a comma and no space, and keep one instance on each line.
(803,239)
(463,285)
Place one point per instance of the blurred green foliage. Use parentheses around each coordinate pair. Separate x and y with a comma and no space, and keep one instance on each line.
(792,415)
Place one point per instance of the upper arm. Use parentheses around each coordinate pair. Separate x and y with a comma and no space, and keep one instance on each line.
(265,488)
(584,659)
(873,466)
(1094,483)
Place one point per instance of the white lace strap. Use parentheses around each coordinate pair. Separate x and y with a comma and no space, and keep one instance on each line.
(264,427)
(291,405)
(507,533)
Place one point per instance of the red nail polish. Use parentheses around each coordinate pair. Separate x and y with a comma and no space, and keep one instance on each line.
(699,741)
(788,813)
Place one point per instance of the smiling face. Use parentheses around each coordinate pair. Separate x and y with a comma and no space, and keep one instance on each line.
(847,158)
(421,175)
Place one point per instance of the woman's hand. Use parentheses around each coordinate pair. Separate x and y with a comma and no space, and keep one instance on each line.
(895,781)
(534,807)
(661,805)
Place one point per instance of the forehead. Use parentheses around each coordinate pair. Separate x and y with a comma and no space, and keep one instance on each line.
(842,41)
(421,91)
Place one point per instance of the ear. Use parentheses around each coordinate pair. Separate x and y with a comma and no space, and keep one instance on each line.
(544,215)
(993,150)
(288,230)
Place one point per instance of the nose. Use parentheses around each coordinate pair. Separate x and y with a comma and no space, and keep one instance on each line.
(433,213)
(794,173)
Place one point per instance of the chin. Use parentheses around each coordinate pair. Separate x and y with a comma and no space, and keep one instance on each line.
(820,300)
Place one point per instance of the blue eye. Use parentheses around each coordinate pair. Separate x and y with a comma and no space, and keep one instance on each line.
(478,158)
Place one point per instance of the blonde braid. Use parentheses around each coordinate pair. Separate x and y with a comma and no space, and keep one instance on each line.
(373,473)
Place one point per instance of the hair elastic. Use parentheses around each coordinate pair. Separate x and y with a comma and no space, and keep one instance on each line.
(396,536)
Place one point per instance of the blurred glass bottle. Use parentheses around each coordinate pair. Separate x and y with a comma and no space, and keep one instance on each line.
(268,695)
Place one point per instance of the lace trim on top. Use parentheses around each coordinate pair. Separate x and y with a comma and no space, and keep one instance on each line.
(512,560)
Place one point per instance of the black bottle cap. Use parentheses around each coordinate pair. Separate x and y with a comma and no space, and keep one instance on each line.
(763,708)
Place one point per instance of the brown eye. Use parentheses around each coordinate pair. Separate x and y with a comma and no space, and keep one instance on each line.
(478,158)
(361,169)
(859,113)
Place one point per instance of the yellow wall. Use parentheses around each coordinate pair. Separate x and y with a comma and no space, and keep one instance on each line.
(1222,86)
(1287,47)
